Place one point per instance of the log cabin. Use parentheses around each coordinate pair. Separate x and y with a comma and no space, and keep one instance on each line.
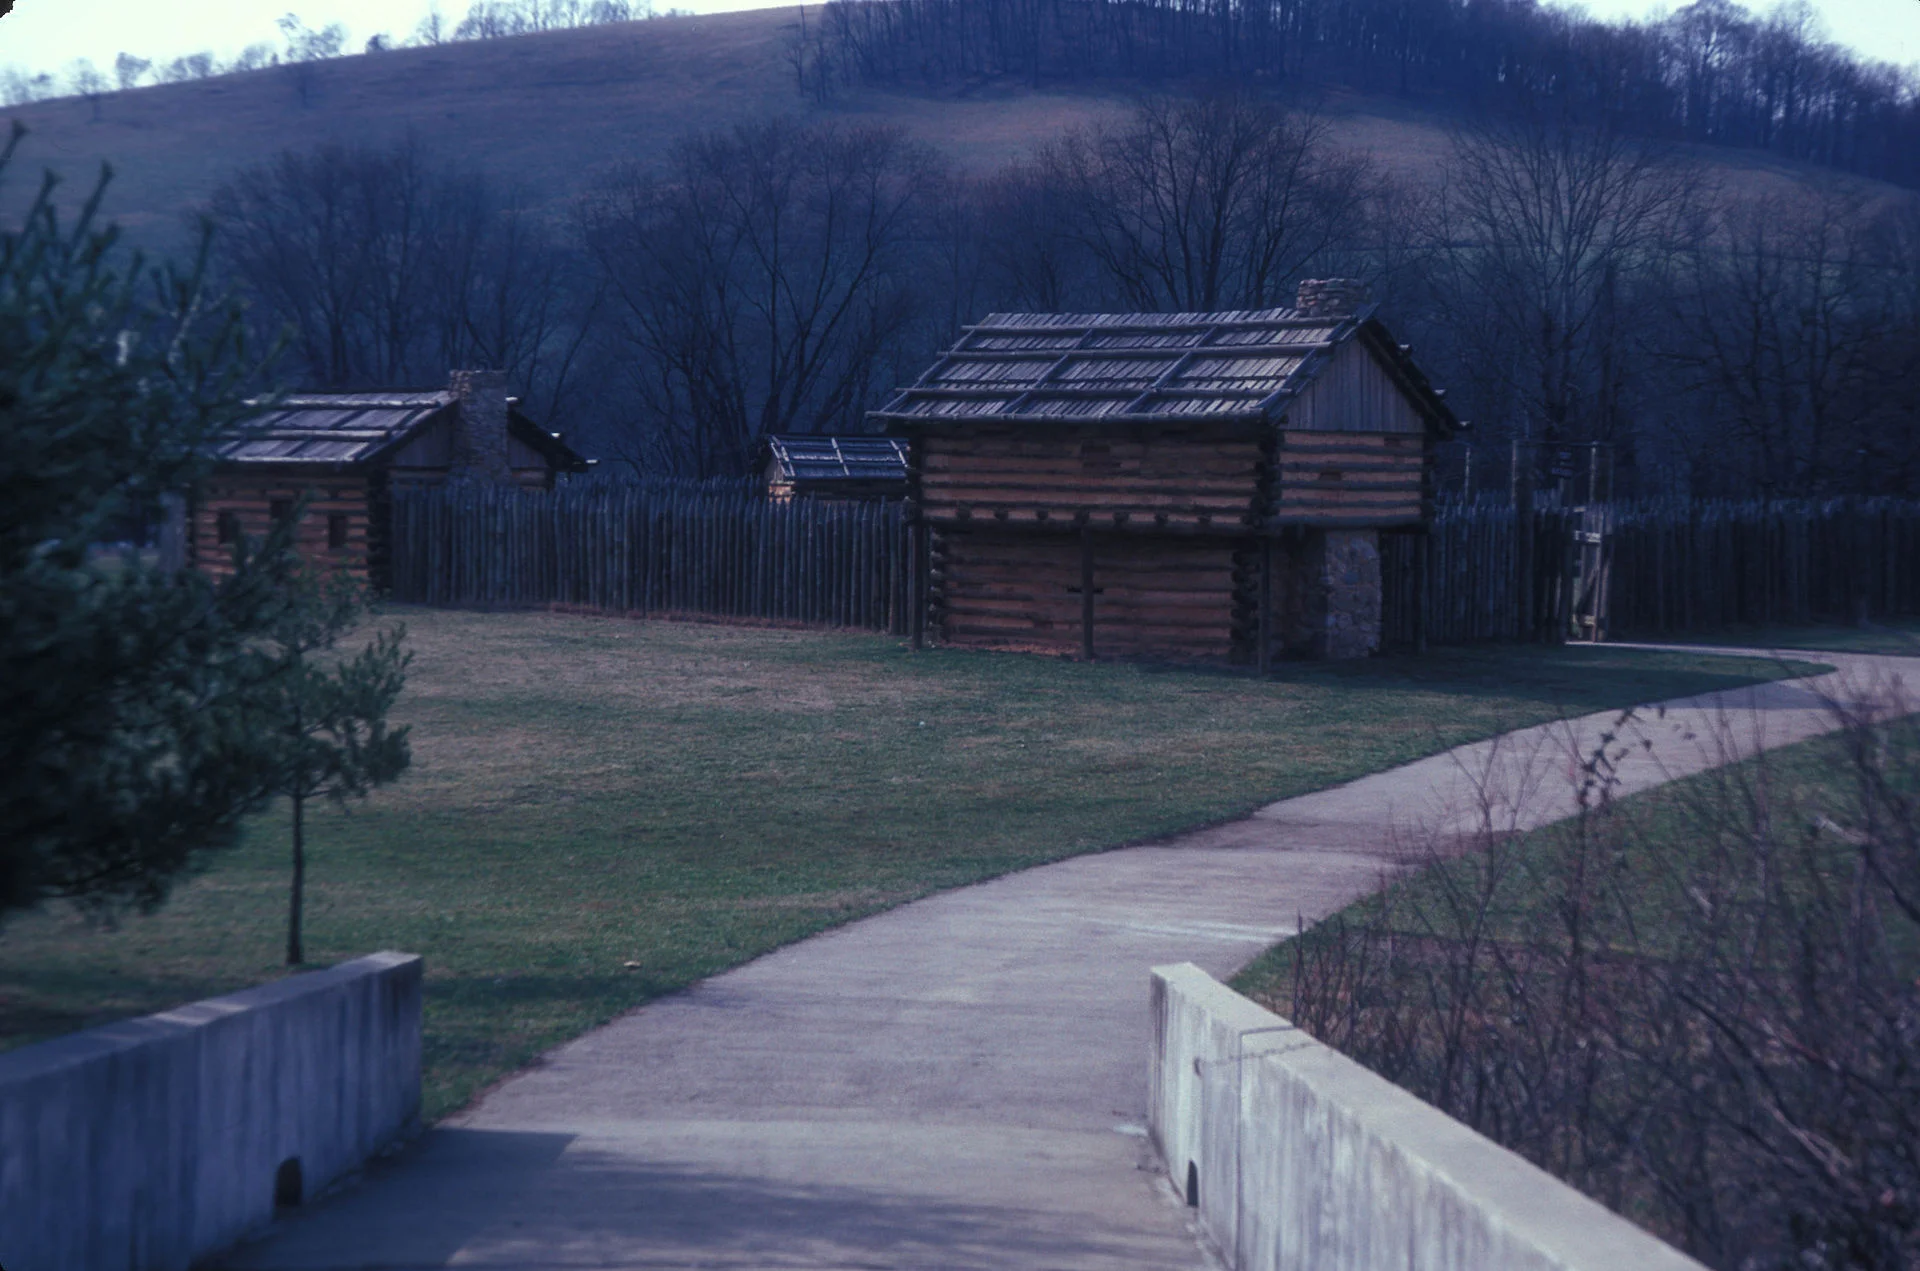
(1188,485)
(834,467)
(347,452)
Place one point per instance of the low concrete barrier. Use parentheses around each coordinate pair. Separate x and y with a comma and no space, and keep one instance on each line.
(1300,1159)
(149,1144)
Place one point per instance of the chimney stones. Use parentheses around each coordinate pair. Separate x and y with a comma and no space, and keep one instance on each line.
(480,427)
(1332,297)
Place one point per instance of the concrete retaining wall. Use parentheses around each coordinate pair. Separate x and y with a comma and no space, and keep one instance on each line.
(1305,1161)
(155,1142)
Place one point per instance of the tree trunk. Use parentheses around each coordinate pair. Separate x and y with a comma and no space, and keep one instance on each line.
(296,954)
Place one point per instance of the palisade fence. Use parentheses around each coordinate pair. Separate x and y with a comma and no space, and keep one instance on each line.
(712,549)
(1478,572)
(1662,568)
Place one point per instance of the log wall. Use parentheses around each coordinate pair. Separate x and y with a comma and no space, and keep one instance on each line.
(250,498)
(1161,597)
(1140,480)
(1350,480)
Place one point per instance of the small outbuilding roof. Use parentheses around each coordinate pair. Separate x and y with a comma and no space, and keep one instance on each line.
(839,459)
(1153,368)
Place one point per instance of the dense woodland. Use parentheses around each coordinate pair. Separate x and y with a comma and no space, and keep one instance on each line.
(1712,72)
(1566,282)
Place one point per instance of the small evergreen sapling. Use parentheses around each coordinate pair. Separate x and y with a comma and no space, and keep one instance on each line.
(324,714)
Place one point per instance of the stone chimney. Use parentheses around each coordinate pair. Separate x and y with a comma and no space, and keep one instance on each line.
(1332,297)
(480,427)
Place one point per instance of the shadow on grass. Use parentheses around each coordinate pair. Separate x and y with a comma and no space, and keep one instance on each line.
(26,1023)
(40,1004)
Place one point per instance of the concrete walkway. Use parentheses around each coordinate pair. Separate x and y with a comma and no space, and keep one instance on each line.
(959,1083)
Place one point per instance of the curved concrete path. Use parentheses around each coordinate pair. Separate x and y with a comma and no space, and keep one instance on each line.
(958,1083)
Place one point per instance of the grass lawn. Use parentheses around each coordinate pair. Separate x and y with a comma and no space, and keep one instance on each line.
(589,793)
(1662,833)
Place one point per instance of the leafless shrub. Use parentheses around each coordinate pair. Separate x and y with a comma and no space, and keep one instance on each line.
(765,282)
(384,267)
(1703,1012)
(1207,203)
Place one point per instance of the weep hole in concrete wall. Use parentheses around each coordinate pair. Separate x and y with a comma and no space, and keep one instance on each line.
(149,1144)
(1299,1159)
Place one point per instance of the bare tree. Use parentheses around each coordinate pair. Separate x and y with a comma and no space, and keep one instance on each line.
(18,87)
(1888,421)
(433,28)
(86,79)
(304,44)
(1773,332)
(1032,256)
(761,283)
(187,68)
(1208,203)
(129,70)
(1544,235)
(252,58)
(491,19)
(386,270)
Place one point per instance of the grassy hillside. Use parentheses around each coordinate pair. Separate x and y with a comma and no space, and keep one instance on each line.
(550,111)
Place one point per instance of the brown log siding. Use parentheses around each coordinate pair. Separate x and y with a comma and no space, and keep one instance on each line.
(1357,480)
(250,499)
(1184,481)
(1166,597)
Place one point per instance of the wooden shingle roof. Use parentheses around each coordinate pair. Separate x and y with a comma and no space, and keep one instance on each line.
(332,428)
(338,430)
(1132,368)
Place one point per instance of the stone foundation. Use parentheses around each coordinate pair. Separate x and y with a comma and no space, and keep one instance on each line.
(1350,574)
(1327,594)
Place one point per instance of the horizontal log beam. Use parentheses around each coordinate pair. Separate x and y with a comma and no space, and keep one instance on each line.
(1371,465)
(1155,328)
(1303,489)
(1234,422)
(1231,526)
(1351,444)
(1170,353)
(1136,497)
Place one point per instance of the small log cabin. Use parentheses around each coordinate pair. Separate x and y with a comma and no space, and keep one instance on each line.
(347,452)
(835,467)
(1190,485)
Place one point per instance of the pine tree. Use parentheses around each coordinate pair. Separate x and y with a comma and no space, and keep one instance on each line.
(127,691)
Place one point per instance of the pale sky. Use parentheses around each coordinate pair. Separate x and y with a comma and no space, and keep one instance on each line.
(47,35)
